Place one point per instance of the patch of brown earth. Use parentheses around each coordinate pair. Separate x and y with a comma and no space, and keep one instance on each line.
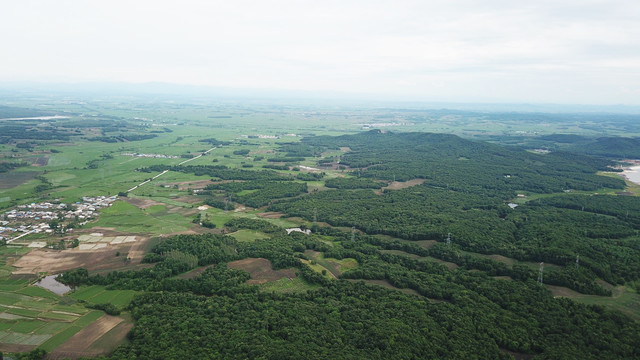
(16,348)
(41,161)
(56,261)
(109,341)
(261,270)
(141,203)
(75,347)
(397,185)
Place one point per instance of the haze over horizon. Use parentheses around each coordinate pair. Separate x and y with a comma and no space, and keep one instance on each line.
(565,52)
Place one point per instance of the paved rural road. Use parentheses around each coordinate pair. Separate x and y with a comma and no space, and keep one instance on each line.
(166,171)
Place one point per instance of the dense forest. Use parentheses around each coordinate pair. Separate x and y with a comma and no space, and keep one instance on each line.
(458,314)
(468,185)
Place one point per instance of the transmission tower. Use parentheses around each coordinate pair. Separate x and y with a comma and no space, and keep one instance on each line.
(540,272)
(315,214)
(353,233)
(577,261)
(449,239)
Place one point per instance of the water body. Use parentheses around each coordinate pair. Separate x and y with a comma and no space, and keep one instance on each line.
(39,118)
(632,174)
(50,283)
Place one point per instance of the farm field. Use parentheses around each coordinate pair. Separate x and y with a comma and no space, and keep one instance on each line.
(33,317)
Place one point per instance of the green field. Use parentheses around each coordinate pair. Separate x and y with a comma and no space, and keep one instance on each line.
(99,295)
(285,285)
(128,218)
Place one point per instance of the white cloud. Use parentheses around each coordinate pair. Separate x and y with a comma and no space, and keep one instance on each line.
(550,51)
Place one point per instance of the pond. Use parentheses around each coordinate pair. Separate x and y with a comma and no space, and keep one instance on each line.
(50,283)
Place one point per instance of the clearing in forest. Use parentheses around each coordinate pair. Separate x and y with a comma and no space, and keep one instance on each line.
(397,185)
(261,270)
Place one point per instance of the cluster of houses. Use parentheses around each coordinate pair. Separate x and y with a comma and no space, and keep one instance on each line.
(156,156)
(35,218)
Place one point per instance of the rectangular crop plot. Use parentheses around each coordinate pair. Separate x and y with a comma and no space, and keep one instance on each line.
(22,339)
(118,240)
(10,287)
(123,298)
(23,312)
(39,292)
(58,316)
(59,338)
(51,328)
(104,297)
(84,237)
(27,326)
(9,298)
(88,318)
(86,293)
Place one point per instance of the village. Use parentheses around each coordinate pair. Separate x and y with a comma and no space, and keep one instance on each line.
(155,156)
(38,217)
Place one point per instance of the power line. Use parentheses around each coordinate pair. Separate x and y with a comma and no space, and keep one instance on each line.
(540,271)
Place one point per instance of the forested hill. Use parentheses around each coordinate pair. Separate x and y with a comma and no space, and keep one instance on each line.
(448,161)
(465,193)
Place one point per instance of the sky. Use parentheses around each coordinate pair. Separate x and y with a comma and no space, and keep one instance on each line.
(539,51)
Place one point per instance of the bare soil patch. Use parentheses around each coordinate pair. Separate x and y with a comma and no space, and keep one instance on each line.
(15,348)
(142,203)
(261,270)
(77,345)
(270,215)
(41,161)
(109,341)
(55,261)
(397,185)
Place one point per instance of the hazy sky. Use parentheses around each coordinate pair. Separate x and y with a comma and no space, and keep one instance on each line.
(558,51)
